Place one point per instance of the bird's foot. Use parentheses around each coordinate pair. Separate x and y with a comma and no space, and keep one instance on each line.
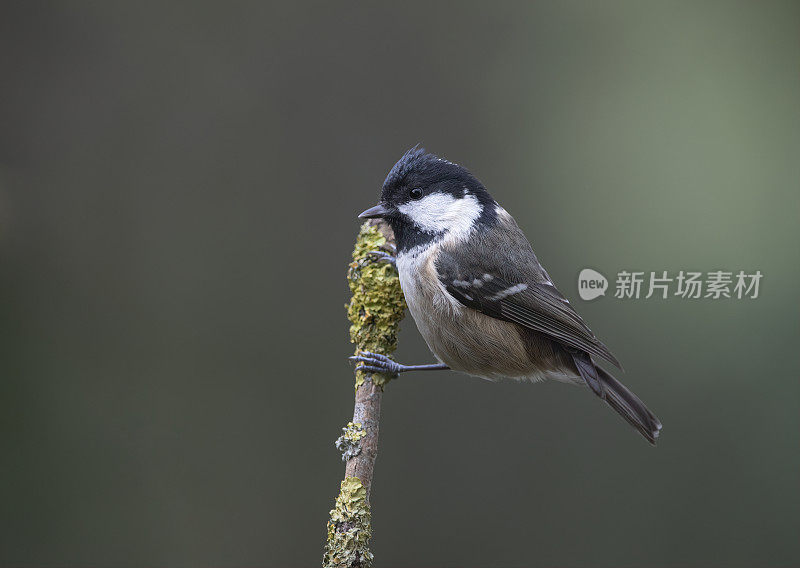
(372,256)
(379,255)
(376,363)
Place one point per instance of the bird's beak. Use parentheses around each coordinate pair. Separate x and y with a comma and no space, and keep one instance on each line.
(377,212)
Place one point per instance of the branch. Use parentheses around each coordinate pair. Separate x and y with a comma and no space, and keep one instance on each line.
(375,311)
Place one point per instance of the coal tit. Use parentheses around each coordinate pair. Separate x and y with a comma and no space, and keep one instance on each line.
(479,296)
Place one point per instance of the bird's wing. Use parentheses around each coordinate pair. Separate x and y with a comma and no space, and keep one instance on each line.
(518,295)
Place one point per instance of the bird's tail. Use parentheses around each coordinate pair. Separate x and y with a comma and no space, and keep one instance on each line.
(618,397)
(629,406)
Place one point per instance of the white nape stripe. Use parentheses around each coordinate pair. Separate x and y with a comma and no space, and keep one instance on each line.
(502,213)
(508,292)
(444,213)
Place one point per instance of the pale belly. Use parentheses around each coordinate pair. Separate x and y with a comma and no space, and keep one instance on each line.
(465,339)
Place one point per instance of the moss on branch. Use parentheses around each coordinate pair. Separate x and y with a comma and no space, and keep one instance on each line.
(377,305)
(349,443)
(375,311)
(349,528)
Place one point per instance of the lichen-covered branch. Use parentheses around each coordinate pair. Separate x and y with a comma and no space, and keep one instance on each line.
(375,311)
(349,443)
(377,304)
(349,528)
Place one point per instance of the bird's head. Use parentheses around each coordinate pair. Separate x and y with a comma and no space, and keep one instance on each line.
(426,197)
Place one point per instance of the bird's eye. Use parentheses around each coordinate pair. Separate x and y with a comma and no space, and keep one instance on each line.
(415,193)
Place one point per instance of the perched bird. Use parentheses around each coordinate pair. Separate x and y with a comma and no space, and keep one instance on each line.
(479,296)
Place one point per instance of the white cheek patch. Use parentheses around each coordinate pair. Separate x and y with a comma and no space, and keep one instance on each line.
(443,213)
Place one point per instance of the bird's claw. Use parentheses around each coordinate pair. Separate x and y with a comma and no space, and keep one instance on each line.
(379,255)
(376,363)
(372,256)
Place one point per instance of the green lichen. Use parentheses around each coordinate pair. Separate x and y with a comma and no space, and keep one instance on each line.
(349,443)
(349,528)
(377,305)
(375,311)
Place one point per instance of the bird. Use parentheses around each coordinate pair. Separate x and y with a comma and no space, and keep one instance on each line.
(479,296)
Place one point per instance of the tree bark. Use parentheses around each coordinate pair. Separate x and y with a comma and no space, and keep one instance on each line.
(375,311)
(367,412)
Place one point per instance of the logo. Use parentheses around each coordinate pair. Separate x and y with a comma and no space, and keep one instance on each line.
(630,284)
(591,284)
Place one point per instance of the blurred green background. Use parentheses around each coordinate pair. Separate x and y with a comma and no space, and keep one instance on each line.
(178,191)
